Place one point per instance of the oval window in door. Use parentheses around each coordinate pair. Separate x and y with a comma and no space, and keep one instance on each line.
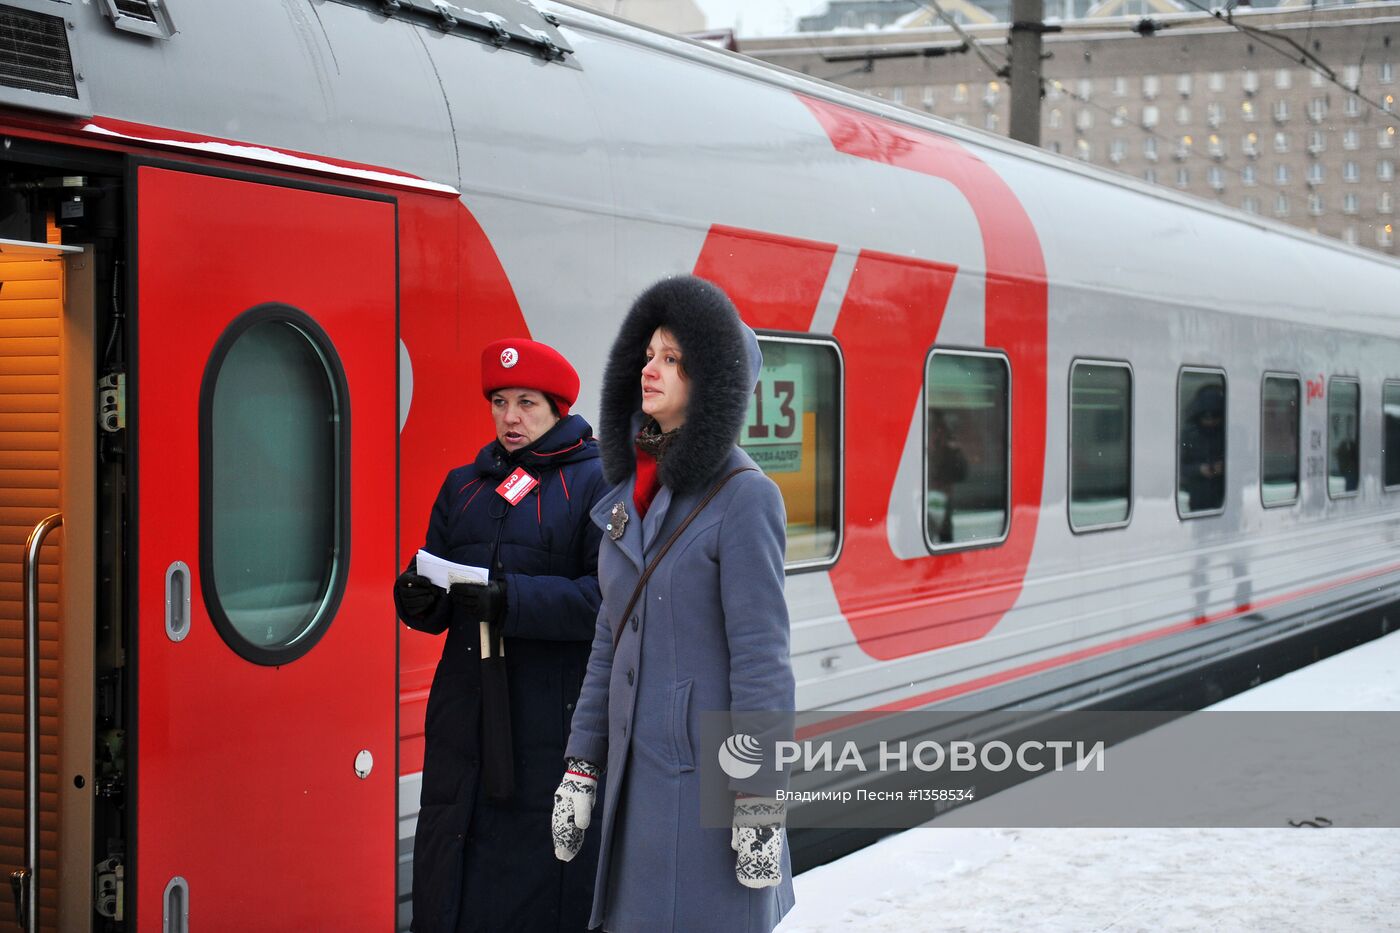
(274,484)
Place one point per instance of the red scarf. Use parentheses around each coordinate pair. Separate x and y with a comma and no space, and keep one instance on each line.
(648,482)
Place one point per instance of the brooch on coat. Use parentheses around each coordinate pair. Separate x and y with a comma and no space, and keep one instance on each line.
(617,523)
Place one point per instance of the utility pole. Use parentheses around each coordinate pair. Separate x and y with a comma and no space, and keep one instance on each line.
(1027,24)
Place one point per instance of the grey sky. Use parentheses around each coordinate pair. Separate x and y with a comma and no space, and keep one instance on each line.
(757,17)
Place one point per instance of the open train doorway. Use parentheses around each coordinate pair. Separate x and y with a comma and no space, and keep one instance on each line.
(58,230)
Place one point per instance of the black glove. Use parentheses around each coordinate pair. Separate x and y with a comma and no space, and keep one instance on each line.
(415,594)
(480,602)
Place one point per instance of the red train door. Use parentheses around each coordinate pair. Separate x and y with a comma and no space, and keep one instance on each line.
(265,397)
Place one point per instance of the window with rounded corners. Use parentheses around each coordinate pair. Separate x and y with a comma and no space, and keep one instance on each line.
(794,431)
(1343,437)
(274,439)
(1390,436)
(1100,445)
(1280,433)
(1201,448)
(967,448)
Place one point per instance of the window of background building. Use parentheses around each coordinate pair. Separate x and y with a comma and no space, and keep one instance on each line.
(1317,173)
(1281,174)
(1315,204)
(1385,139)
(992,122)
(1117,150)
(1084,119)
(1317,141)
(1215,146)
(967,462)
(1149,175)
(1385,72)
(1385,235)
(1351,171)
(1247,112)
(930,98)
(1149,148)
(1278,445)
(1343,437)
(1250,205)
(897,95)
(1183,147)
(1352,106)
(1183,114)
(1351,204)
(1086,88)
(992,93)
(1350,236)
(1249,176)
(1281,110)
(1283,79)
(1281,205)
(1150,116)
(1120,86)
(1249,81)
(793,432)
(1351,76)
(1151,86)
(1383,203)
(1055,147)
(1183,85)
(1200,487)
(1183,177)
(1317,79)
(1216,178)
(1054,90)
(1082,149)
(1215,113)
(960,93)
(1351,139)
(1388,103)
(1280,142)
(1216,81)
(1057,118)
(1250,145)
(1317,109)
(1385,170)
(1100,444)
(1390,435)
(1120,115)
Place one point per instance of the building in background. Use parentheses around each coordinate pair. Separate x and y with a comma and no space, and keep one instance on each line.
(1180,99)
(858,14)
(679,16)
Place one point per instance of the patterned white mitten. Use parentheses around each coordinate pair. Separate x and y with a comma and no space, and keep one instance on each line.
(573,807)
(757,837)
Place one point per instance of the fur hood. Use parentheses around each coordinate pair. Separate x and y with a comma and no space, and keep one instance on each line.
(722,360)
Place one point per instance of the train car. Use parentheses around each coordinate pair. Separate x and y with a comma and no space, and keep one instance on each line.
(1048,437)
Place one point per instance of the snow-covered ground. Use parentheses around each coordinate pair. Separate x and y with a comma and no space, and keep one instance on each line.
(1030,880)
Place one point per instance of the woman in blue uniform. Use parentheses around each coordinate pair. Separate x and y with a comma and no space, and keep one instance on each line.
(481,857)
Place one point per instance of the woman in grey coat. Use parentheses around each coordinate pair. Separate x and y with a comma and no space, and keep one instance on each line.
(709,631)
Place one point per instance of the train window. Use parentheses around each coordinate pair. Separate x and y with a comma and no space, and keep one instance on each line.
(1100,444)
(1390,439)
(793,431)
(1343,438)
(1278,440)
(274,418)
(967,451)
(1200,476)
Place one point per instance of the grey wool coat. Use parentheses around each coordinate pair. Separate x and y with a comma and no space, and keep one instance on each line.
(710,632)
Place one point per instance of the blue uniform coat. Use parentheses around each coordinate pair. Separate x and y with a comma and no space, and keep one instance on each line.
(480,864)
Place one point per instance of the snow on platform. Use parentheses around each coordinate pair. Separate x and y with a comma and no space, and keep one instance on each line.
(1118,880)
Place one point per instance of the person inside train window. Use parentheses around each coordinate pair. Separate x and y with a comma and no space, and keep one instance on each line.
(495,727)
(947,466)
(1202,466)
(711,633)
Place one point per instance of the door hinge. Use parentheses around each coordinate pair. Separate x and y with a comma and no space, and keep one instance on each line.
(109,889)
(111,402)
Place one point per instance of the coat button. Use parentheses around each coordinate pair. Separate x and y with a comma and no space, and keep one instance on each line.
(636,623)
(629,677)
(568,706)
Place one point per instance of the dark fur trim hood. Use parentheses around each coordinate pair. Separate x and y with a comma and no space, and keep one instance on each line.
(722,360)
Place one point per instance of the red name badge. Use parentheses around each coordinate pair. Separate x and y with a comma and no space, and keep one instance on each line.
(516,486)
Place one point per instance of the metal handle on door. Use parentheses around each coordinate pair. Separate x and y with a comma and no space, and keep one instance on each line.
(26,880)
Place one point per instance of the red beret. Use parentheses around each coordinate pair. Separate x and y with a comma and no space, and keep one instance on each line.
(520,363)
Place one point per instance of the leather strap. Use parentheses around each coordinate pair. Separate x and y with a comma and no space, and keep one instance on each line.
(651,565)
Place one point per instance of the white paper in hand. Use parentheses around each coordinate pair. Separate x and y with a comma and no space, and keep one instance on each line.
(444,573)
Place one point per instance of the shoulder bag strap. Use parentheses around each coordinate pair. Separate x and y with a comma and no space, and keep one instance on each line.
(651,565)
